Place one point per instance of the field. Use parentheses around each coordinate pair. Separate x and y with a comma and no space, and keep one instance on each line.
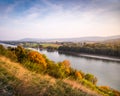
(45,45)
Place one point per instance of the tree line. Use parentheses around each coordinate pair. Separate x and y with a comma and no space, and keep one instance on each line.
(107,49)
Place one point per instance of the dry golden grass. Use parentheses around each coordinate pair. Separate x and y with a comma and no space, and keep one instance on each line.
(33,83)
(30,81)
(20,72)
(74,84)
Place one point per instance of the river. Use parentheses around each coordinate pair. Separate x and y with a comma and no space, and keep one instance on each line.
(107,72)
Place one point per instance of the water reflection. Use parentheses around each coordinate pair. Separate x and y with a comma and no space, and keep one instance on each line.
(90,58)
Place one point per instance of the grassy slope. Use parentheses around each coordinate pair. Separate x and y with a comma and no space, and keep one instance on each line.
(15,80)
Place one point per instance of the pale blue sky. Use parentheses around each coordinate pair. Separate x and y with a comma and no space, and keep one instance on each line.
(58,18)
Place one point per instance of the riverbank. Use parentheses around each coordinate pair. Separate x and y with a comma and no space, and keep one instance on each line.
(92,56)
(100,57)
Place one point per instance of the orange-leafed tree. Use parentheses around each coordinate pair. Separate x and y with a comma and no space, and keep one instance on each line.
(66,66)
(38,58)
(66,63)
(78,75)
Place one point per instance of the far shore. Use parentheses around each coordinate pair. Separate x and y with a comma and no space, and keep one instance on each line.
(108,58)
(101,57)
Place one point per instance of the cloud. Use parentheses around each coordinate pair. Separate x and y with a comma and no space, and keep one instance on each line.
(50,19)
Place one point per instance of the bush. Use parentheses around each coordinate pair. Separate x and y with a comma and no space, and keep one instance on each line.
(8,53)
(55,70)
(106,90)
(2,50)
(91,78)
(34,67)
(20,53)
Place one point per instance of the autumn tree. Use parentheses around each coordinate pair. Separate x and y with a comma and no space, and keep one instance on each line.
(66,66)
(38,58)
(78,75)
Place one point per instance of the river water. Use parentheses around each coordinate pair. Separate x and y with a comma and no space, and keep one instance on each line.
(107,72)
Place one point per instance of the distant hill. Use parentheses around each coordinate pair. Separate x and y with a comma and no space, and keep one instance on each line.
(117,40)
(80,39)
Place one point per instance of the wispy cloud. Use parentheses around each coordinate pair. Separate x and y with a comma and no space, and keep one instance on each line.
(61,18)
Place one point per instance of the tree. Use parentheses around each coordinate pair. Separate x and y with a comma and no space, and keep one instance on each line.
(38,58)
(78,75)
(91,78)
(20,53)
(65,66)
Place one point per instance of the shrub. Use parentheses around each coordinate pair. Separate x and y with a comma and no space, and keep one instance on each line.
(107,90)
(91,78)
(8,53)
(20,53)
(2,50)
(34,67)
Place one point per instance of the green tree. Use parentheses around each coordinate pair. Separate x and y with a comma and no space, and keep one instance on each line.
(20,53)
(91,78)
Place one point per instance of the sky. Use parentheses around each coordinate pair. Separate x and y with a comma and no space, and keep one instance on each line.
(58,18)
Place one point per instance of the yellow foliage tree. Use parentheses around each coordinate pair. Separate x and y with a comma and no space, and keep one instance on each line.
(36,57)
(66,63)
(66,66)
